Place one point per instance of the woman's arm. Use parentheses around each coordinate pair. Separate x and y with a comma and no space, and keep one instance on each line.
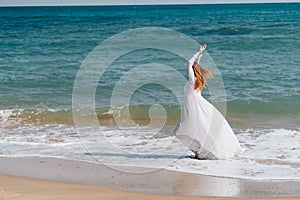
(198,55)
(195,58)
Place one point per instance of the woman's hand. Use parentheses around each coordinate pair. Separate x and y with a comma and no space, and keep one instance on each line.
(202,48)
(198,54)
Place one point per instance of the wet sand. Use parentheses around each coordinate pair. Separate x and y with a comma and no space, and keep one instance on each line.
(16,188)
(86,180)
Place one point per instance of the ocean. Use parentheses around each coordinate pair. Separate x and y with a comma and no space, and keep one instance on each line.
(254,48)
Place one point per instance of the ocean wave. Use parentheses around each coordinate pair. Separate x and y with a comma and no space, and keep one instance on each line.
(231,30)
(284,105)
(284,112)
(139,113)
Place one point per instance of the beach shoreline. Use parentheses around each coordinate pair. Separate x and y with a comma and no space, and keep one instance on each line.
(17,188)
(160,182)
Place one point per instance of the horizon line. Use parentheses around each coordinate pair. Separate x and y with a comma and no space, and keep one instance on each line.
(151,4)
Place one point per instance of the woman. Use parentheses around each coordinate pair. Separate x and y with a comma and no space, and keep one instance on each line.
(203,128)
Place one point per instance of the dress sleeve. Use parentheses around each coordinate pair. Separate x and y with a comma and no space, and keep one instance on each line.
(195,58)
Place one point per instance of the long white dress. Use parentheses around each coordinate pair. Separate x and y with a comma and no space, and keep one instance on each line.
(203,128)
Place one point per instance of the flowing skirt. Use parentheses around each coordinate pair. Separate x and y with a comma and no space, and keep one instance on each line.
(204,129)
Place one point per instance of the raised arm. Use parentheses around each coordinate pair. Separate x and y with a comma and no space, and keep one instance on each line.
(195,58)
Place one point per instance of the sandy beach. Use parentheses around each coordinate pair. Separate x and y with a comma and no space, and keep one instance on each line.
(53,178)
(22,189)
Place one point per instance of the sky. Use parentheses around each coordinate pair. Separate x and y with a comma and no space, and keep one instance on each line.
(126,2)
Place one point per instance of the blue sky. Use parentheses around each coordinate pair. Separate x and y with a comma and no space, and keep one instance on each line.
(126,2)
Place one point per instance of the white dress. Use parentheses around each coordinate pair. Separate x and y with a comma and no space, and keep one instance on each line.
(203,128)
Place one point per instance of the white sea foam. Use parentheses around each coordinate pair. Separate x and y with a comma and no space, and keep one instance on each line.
(270,153)
(6,114)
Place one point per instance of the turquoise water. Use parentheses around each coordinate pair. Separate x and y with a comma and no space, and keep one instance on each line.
(255,47)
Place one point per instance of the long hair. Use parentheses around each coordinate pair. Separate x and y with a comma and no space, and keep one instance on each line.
(200,72)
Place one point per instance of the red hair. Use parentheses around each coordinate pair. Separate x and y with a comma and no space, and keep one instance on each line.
(199,73)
